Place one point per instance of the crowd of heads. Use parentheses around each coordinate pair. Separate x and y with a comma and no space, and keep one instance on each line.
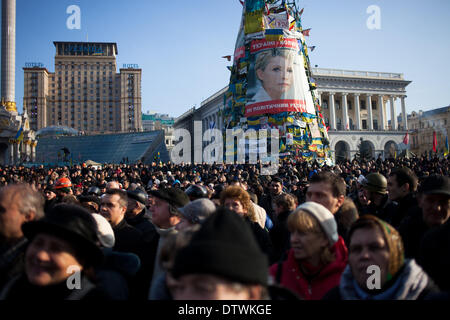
(229,232)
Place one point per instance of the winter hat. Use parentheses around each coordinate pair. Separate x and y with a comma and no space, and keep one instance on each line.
(72,223)
(224,246)
(198,210)
(435,184)
(138,195)
(325,218)
(105,232)
(174,196)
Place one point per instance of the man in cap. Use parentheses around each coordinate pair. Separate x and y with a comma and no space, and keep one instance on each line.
(18,204)
(434,253)
(195,213)
(221,262)
(375,192)
(50,197)
(433,199)
(137,214)
(165,216)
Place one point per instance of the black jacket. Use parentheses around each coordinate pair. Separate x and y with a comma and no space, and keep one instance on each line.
(150,239)
(20,289)
(412,229)
(405,208)
(266,203)
(262,238)
(11,260)
(143,223)
(280,236)
(128,238)
(434,255)
(386,211)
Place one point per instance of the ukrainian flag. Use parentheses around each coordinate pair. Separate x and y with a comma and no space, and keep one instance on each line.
(282,146)
(446,147)
(19,135)
(253,121)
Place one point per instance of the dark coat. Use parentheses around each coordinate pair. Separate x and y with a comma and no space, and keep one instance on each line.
(128,238)
(386,211)
(266,203)
(434,255)
(116,272)
(412,229)
(262,238)
(20,289)
(49,204)
(11,260)
(280,236)
(404,209)
(142,222)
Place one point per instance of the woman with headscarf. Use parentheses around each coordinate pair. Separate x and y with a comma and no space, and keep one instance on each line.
(317,257)
(377,268)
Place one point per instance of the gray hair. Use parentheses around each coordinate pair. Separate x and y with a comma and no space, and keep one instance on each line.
(26,198)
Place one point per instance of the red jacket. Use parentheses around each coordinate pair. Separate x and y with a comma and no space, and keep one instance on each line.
(328,278)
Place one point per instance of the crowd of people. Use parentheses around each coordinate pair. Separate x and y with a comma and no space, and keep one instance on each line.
(371,230)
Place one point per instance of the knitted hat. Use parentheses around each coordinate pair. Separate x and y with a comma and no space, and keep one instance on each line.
(224,246)
(198,210)
(105,232)
(325,218)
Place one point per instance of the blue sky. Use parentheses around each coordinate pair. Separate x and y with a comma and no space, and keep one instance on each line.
(179,44)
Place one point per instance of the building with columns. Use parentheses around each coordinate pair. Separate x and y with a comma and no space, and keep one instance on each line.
(422,124)
(355,105)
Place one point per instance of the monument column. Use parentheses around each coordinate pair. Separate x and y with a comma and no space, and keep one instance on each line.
(8,54)
(381,124)
(345,112)
(404,116)
(393,114)
(369,111)
(332,112)
(357,112)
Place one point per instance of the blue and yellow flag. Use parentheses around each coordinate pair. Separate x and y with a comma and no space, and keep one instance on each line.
(446,147)
(19,135)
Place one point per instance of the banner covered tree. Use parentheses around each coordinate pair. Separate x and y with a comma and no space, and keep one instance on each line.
(271,85)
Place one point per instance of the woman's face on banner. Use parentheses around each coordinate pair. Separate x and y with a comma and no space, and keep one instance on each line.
(277,77)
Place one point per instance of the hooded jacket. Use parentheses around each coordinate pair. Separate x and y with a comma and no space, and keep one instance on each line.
(312,287)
